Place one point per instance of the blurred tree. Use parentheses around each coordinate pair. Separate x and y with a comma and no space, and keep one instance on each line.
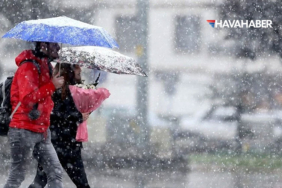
(250,43)
(19,10)
(254,42)
(246,92)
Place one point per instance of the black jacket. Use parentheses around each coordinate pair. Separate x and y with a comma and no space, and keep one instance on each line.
(64,121)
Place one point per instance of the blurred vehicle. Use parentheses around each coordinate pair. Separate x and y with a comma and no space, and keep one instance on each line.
(209,130)
(262,130)
(216,123)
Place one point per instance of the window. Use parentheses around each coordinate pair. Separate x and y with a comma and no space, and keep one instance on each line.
(126,31)
(187,34)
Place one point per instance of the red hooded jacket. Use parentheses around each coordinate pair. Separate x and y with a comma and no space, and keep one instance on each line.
(29,87)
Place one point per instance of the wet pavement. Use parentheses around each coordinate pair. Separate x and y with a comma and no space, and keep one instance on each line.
(196,178)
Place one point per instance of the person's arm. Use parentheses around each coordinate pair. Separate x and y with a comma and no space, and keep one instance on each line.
(28,82)
(74,115)
(65,109)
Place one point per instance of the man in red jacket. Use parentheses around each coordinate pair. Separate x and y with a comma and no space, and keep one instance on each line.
(26,134)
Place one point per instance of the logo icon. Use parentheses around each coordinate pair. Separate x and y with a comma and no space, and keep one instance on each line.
(211,22)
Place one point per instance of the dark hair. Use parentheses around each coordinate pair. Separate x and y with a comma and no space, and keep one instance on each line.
(67,71)
(37,46)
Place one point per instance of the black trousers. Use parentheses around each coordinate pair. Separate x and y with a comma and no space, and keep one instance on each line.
(71,161)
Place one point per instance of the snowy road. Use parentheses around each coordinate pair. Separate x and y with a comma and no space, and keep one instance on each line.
(195,179)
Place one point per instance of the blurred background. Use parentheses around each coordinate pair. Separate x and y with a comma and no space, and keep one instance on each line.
(209,114)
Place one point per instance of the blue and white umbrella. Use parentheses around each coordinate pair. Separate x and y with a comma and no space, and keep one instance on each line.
(62,30)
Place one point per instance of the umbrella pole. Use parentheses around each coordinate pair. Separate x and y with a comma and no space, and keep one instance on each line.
(61,56)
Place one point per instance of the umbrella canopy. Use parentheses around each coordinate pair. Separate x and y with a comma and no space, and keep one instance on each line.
(62,30)
(102,59)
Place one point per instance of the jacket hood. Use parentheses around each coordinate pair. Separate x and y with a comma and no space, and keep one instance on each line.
(25,55)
